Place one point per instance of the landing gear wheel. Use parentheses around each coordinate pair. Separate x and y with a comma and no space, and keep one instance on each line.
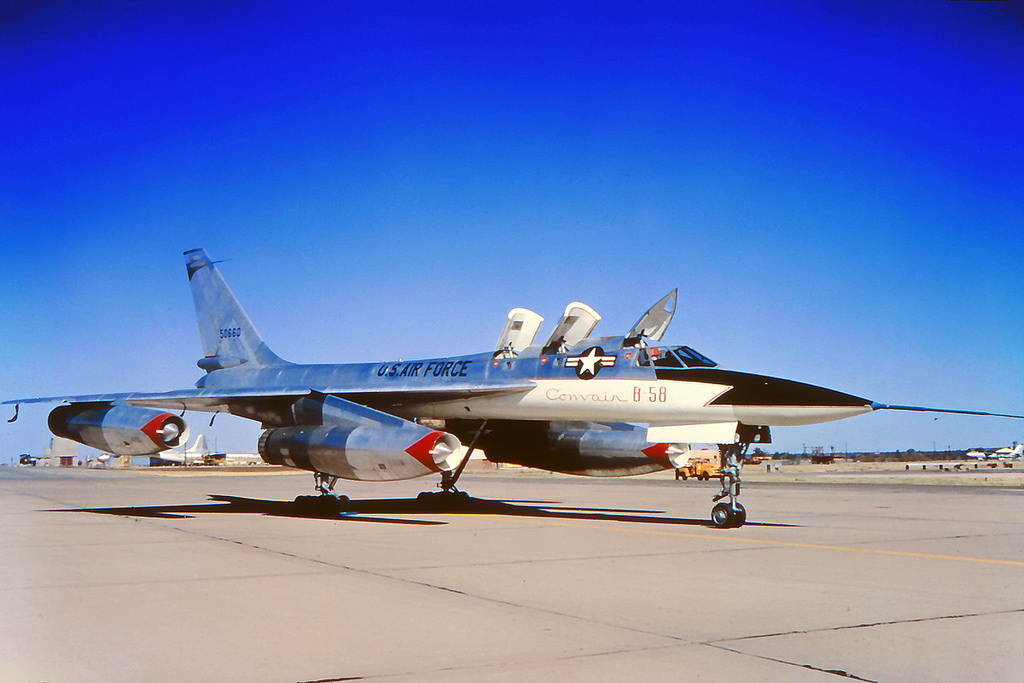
(442,500)
(720,515)
(327,503)
(725,517)
(424,496)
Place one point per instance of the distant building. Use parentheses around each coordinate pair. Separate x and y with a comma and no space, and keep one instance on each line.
(61,453)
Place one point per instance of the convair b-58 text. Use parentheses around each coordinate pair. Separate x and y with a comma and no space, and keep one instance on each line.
(579,404)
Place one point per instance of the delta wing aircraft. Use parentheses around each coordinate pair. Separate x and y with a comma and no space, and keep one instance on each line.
(598,406)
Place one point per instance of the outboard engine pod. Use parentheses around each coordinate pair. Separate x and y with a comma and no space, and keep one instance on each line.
(119,428)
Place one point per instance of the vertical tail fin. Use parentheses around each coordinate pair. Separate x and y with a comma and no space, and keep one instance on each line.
(229,337)
(198,448)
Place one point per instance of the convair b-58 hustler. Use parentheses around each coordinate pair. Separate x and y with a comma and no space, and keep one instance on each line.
(579,404)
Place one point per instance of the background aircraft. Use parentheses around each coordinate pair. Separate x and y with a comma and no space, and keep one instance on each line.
(196,454)
(597,406)
(1015,451)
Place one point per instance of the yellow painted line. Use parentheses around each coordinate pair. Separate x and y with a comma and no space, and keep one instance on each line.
(783,544)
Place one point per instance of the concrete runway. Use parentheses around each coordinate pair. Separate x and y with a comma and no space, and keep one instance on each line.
(202,576)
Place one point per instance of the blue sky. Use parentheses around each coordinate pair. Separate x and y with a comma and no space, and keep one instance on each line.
(834,188)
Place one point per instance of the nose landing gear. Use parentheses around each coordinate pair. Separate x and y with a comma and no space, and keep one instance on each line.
(731,514)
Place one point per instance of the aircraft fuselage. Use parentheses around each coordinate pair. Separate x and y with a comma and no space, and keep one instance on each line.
(596,385)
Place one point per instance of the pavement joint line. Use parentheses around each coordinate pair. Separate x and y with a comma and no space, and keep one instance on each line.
(835,672)
(721,644)
(785,544)
(850,627)
(605,653)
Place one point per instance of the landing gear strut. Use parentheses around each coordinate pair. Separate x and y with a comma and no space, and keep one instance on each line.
(731,514)
(324,483)
(327,501)
(448,479)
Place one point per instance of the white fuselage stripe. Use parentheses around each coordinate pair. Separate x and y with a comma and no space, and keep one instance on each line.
(666,402)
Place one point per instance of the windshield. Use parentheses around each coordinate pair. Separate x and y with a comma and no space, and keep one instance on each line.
(680,357)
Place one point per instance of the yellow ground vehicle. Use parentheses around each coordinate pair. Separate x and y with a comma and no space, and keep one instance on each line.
(699,468)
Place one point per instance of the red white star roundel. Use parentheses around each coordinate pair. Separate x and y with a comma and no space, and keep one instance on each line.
(589,362)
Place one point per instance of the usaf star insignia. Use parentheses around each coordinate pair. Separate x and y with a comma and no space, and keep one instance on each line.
(590,362)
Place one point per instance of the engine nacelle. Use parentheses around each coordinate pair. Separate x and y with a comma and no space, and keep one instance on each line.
(118,428)
(363,453)
(591,452)
(611,452)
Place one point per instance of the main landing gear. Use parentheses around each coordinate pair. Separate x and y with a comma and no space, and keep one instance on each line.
(448,491)
(730,515)
(327,502)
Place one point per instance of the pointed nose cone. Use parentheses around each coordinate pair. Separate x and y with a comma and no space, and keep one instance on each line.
(759,390)
(757,399)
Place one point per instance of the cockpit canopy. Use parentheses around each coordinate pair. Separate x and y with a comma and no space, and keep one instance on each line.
(675,357)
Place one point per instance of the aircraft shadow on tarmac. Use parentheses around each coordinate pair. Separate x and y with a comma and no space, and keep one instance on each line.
(369,510)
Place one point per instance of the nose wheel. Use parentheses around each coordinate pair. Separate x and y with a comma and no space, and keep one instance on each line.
(725,517)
